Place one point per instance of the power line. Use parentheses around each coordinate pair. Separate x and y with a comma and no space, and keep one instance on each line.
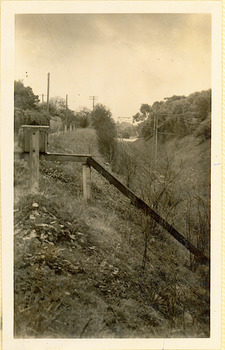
(173,116)
(47,27)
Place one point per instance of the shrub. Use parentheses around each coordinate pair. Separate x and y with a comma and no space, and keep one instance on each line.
(105,130)
(29,117)
(203,131)
(24,97)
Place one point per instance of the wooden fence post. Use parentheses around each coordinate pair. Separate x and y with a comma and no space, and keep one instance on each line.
(34,160)
(86,181)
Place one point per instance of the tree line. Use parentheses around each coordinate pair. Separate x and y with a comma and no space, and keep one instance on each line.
(174,116)
(177,116)
(29,110)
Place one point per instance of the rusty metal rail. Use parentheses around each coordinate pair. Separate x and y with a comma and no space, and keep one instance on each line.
(63,157)
(139,203)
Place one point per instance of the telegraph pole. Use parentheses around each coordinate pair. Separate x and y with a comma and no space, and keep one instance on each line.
(48,85)
(93,98)
(66,112)
(42,97)
(153,143)
(66,103)
(156,139)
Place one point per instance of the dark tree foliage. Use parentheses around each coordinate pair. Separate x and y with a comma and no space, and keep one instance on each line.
(24,97)
(57,108)
(178,116)
(202,104)
(29,117)
(27,110)
(143,114)
(174,98)
(203,131)
(105,127)
(145,110)
(83,117)
(138,117)
(42,107)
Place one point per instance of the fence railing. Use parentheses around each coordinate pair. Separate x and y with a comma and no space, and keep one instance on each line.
(35,148)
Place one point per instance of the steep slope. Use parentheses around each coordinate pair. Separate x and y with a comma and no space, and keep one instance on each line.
(186,154)
(79,267)
(178,185)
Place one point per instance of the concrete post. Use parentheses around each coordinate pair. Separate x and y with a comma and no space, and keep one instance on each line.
(34,160)
(35,140)
(86,181)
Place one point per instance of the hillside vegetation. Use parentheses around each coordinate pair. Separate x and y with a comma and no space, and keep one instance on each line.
(178,187)
(177,116)
(101,268)
(29,110)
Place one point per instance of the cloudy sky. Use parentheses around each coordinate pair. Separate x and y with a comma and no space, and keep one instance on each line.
(124,59)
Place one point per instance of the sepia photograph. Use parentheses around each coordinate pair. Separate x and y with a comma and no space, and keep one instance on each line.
(113,170)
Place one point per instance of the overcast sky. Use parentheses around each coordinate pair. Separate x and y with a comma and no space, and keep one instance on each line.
(125,60)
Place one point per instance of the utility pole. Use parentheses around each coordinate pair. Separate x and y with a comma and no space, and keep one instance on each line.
(156,138)
(93,98)
(153,145)
(66,112)
(48,85)
(155,142)
(156,127)
(66,104)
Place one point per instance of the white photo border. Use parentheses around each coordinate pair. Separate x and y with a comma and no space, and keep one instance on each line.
(9,10)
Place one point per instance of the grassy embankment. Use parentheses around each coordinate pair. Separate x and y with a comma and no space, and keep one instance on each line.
(78,265)
(178,186)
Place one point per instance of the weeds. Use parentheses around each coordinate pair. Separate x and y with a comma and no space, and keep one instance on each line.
(104,269)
